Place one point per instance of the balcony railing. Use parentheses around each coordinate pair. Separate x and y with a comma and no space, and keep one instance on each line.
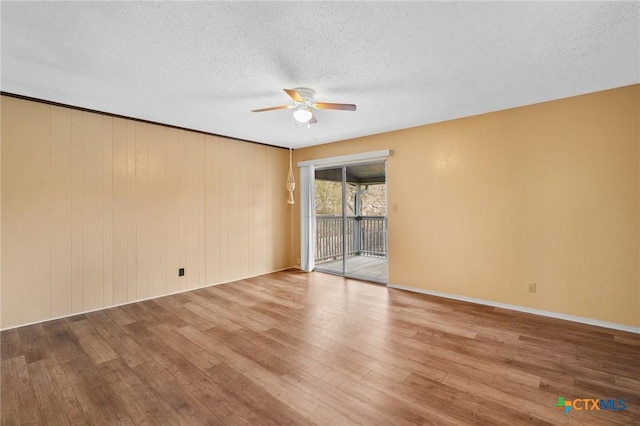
(366,236)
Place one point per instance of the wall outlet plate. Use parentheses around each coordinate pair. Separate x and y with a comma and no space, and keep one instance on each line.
(531,287)
(181,272)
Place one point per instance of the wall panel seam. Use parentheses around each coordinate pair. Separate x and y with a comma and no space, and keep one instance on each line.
(82,133)
(50,208)
(20,207)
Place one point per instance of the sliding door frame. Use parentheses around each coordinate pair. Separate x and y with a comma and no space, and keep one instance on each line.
(307,198)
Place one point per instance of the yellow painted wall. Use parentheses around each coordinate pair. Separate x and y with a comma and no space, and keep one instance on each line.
(547,193)
(98,211)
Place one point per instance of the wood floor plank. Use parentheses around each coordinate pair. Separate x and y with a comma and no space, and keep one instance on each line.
(193,353)
(222,404)
(94,394)
(223,292)
(174,397)
(423,396)
(242,345)
(120,316)
(233,314)
(219,349)
(307,405)
(212,315)
(354,408)
(338,358)
(536,410)
(245,292)
(18,399)
(269,409)
(173,304)
(162,315)
(123,345)
(312,348)
(10,344)
(464,406)
(63,342)
(93,344)
(141,404)
(46,377)
(291,356)
(35,343)
(398,411)
(65,395)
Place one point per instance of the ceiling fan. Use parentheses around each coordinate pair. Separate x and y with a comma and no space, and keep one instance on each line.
(304,105)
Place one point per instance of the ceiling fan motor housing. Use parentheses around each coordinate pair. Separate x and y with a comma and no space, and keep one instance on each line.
(306,93)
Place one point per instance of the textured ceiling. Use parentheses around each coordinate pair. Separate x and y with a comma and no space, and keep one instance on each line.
(206,65)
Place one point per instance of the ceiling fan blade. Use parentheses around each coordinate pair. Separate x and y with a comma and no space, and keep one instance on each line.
(325,105)
(294,95)
(273,108)
(313,118)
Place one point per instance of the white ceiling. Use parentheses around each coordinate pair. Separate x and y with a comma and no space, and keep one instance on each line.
(206,65)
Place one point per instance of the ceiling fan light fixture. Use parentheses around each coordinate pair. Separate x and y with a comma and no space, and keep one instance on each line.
(302,115)
(304,105)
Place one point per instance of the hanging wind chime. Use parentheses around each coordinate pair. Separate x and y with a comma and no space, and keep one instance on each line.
(291,183)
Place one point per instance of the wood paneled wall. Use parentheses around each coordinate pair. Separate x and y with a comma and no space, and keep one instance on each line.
(99,211)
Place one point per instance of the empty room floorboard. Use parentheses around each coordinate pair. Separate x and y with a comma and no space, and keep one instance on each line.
(312,348)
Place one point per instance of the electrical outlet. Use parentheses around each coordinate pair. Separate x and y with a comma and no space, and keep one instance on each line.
(181,272)
(531,287)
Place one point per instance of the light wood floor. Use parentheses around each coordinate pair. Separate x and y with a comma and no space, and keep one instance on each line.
(296,348)
(366,267)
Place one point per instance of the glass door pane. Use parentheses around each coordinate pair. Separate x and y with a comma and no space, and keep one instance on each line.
(366,222)
(329,197)
(351,221)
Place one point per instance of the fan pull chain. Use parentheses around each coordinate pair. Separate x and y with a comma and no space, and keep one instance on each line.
(291,183)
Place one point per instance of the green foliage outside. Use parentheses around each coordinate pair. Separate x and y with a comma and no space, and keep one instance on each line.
(329,199)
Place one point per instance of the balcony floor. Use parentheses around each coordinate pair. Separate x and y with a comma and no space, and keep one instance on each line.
(365,267)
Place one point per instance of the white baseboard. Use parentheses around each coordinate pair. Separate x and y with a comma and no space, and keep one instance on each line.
(139,300)
(566,317)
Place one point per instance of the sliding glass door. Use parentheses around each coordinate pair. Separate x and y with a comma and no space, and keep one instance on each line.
(329,209)
(351,221)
